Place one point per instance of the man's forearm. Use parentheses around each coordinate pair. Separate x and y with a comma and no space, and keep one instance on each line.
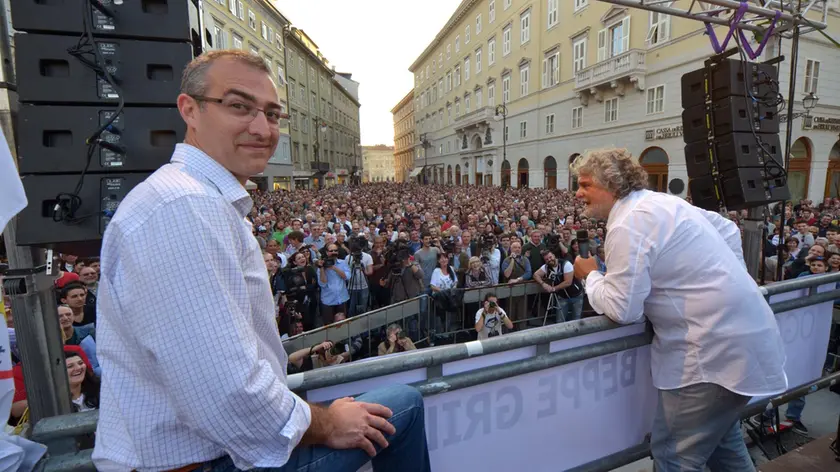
(320,426)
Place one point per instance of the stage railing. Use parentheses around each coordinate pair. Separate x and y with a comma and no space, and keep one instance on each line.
(524,351)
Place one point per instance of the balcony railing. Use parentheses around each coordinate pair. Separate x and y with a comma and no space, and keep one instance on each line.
(617,67)
(474,117)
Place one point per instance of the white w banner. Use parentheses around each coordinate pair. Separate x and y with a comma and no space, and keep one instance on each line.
(565,416)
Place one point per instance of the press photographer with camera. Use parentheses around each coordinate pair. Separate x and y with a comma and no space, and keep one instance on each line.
(301,286)
(333,275)
(361,266)
(395,341)
(489,319)
(405,277)
(557,278)
(490,256)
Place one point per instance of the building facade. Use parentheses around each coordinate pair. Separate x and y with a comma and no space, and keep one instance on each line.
(404,139)
(324,116)
(378,163)
(347,126)
(256,26)
(576,75)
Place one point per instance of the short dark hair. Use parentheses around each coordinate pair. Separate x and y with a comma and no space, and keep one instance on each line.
(490,295)
(70,286)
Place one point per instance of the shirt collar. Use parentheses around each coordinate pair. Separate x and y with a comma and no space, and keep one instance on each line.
(195,159)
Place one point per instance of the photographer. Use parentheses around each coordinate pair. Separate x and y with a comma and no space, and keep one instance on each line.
(301,286)
(489,319)
(405,278)
(490,256)
(395,341)
(361,266)
(558,277)
(333,275)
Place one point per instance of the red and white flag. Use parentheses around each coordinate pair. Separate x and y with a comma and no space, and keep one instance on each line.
(12,196)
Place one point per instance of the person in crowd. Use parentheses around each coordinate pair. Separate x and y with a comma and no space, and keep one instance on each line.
(557,277)
(224,355)
(490,318)
(333,274)
(361,267)
(395,341)
(665,262)
(74,295)
(84,384)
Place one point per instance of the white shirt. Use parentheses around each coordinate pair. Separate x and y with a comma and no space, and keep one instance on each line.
(492,322)
(669,261)
(444,282)
(193,367)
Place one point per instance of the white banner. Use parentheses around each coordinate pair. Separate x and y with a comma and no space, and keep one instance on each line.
(566,416)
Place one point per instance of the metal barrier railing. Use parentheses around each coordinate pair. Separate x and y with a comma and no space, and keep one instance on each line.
(61,427)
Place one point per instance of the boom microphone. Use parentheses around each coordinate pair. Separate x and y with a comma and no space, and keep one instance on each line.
(583,243)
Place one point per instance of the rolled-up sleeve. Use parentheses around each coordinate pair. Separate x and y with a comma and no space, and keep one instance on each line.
(191,308)
(621,293)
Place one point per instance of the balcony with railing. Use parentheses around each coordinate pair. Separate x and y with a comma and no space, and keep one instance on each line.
(615,72)
(474,118)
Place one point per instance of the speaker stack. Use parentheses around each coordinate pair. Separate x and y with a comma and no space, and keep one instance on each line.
(731,129)
(97,84)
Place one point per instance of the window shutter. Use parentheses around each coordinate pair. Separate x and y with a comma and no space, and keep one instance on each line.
(602,45)
(555,71)
(665,34)
(625,34)
(545,73)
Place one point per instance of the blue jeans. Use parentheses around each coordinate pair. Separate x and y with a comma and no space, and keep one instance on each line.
(696,426)
(407,450)
(358,303)
(570,309)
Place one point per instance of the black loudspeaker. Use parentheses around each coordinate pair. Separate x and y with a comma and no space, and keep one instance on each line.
(172,20)
(100,196)
(729,115)
(733,153)
(51,139)
(74,175)
(148,73)
(728,79)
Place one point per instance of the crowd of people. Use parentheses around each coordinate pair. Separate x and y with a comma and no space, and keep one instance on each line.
(336,253)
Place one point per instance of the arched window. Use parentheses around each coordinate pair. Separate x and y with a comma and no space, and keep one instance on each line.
(522,172)
(655,162)
(800,169)
(457,174)
(449,175)
(506,174)
(550,168)
(573,181)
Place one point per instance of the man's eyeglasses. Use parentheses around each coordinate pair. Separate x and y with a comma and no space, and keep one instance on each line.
(245,112)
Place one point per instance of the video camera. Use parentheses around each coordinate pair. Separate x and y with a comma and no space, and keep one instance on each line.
(358,245)
(486,244)
(396,254)
(448,246)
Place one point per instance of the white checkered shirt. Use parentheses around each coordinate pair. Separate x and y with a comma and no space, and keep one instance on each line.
(193,367)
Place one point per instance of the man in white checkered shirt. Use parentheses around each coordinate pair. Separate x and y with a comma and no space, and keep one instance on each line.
(193,368)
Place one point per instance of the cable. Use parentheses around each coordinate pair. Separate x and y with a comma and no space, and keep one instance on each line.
(67,204)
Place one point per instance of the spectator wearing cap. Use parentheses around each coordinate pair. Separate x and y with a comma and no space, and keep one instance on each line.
(82,336)
(262,236)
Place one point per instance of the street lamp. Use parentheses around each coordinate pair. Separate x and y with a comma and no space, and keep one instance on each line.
(320,127)
(809,101)
(426,145)
(501,114)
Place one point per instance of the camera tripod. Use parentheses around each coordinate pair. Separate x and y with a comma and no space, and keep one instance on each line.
(554,303)
(357,272)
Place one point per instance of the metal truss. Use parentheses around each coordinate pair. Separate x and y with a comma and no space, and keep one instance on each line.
(760,16)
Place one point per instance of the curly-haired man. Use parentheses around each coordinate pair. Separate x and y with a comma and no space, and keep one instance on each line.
(717,343)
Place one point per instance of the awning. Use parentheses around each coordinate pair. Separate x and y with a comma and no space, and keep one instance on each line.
(249,185)
(415,172)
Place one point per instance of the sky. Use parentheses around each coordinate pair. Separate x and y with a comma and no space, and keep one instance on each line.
(375,40)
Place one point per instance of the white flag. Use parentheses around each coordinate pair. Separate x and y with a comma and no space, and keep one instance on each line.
(12,197)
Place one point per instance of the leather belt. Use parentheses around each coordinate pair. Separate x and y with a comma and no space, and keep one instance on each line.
(187,468)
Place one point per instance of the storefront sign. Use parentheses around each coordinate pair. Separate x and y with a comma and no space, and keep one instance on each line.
(822,123)
(663,133)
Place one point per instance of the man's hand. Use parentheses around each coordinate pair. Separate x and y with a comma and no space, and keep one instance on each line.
(583,266)
(357,425)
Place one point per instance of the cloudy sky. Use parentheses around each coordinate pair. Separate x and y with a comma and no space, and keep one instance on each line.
(376,40)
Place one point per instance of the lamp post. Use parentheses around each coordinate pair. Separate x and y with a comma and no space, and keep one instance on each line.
(426,145)
(809,101)
(501,113)
(320,126)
